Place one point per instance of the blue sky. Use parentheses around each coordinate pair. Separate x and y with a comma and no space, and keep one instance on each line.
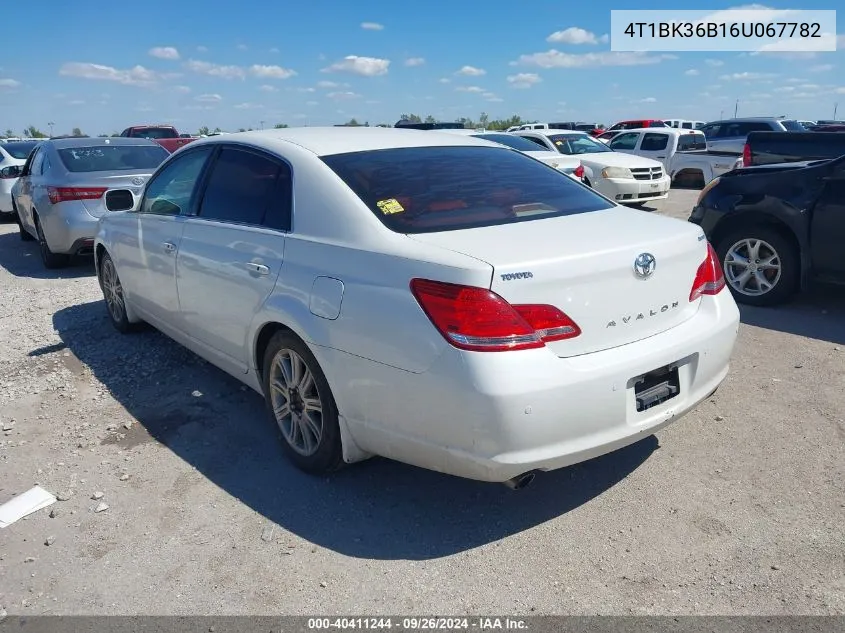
(107,65)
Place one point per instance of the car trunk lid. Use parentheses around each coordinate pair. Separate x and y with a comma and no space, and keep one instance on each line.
(93,182)
(585,266)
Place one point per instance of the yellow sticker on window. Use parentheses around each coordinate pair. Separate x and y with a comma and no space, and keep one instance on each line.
(390,206)
(558,142)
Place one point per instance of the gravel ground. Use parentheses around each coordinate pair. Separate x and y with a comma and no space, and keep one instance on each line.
(736,509)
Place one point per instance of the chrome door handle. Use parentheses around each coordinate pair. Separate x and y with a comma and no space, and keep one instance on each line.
(169,247)
(661,157)
(261,269)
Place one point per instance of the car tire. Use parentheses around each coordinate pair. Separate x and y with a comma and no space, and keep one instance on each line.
(296,393)
(782,273)
(51,260)
(22,232)
(113,295)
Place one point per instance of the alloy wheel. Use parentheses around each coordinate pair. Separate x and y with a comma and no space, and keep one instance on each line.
(296,402)
(752,267)
(112,290)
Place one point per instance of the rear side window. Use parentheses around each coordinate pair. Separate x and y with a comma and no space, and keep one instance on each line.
(244,187)
(793,126)
(540,144)
(113,157)
(654,142)
(511,140)
(19,150)
(428,189)
(625,141)
(691,141)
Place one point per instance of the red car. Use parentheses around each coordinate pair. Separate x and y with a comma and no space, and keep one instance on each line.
(637,124)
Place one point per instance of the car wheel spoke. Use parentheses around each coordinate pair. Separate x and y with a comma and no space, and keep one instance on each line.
(296,402)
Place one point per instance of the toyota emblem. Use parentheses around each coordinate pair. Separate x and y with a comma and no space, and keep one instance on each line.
(644,265)
(138,181)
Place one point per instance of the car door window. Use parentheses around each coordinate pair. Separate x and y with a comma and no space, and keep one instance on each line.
(37,161)
(746,128)
(710,131)
(536,140)
(242,188)
(654,142)
(171,191)
(625,141)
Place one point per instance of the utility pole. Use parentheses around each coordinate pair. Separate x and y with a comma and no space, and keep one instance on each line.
(736,107)
(721,114)
(835,108)
(51,124)
(262,124)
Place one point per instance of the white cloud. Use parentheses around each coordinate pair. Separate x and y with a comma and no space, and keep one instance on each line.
(268,88)
(692,72)
(309,89)
(372,26)
(575,35)
(524,80)
(247,106)
(135,76)
(343,95)
(445,80)
(365,66)
(840,91)
(748,13)
(209,98)
(555,59)
(328,84)
(164,52)
(471,71)
(271,72)
(312,103)
(215,70)
(494,99)
(488,94)
(274,50)
(76,102)
(415,61)
(9,83)
(648,100)
(821,68)
(242,47)
(469,89)
(182,89)
(714,63)
(746,76)
(202,49)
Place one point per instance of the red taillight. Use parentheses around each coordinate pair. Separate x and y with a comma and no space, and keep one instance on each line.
(746,155)
(63,194)
(579,171)
(709,280)
(479,320)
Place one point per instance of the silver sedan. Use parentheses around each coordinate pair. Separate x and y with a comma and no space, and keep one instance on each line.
(61,192)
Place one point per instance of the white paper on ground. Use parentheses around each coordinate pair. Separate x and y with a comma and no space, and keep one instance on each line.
(31,501)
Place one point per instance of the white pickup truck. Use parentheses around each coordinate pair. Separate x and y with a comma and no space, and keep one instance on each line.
(684,153)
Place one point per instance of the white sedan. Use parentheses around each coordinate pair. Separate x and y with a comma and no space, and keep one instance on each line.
(624,178)
(569,165)
(387,300)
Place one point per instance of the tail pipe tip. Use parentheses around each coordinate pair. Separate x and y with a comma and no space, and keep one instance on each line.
(520,481)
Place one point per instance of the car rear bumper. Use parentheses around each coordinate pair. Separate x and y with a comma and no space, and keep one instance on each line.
(494,416)
(69,228)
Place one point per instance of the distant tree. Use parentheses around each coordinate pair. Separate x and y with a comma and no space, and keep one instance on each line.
(280,126)
(430,119)
(76,132)
(483,120)
(9,133)
(413,118)
(203,131)
(241,129)
(217,130)
(34,132)
(102,135)
(352,123)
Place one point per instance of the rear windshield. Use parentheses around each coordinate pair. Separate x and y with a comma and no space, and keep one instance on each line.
(793,126)
(516,142)
(428,189)
(692,141)
(574,144)
(112,157)
(154,132)
(19,150)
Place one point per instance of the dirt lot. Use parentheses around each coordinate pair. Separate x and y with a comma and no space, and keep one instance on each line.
(736,509)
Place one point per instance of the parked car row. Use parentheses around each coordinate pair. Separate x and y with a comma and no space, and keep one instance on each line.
(431,297)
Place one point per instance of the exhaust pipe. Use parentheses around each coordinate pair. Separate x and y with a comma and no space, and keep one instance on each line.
(520,481)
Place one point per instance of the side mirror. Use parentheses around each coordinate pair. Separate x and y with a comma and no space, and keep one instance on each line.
(120,200)
(13,171)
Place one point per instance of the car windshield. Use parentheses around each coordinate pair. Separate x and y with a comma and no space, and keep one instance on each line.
(793,126)
(516,142)
(577,144)
(19,150)
(428,189)
(113,157)
(155,132)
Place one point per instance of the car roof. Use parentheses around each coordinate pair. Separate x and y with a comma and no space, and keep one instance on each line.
(553,132)
(326,141)
(64,143)
(676,131)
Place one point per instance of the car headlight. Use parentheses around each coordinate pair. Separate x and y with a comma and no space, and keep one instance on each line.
(617,172)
